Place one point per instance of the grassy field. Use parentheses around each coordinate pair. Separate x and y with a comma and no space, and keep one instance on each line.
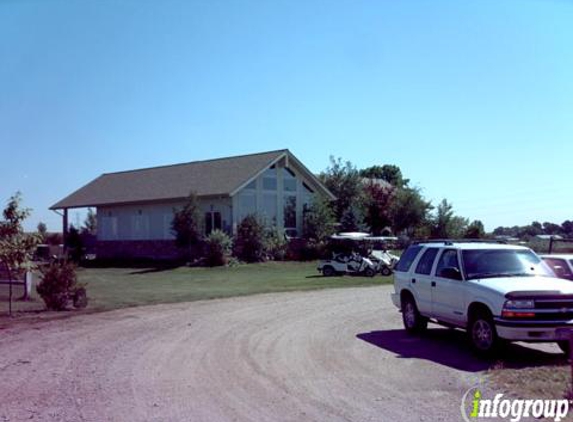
(114,288)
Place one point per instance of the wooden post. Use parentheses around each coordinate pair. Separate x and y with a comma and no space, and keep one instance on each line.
(571,355)
(65,230)
(10,288)
(27,285)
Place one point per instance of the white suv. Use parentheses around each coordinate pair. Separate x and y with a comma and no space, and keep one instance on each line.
(494,291)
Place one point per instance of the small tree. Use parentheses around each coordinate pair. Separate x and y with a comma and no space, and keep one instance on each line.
(90,223)
(276,245)
(75,244)
(352,220)
(318,220)
(59,286)
(42,231)
(345,182)
(16,247)
(475,230)
(250,240)
(217,248)
(187,226)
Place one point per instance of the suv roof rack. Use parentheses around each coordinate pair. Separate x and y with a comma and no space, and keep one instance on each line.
(452,241)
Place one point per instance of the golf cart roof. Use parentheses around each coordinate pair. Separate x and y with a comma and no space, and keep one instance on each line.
(362,236)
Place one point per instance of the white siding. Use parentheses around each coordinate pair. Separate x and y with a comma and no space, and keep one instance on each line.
(151,222)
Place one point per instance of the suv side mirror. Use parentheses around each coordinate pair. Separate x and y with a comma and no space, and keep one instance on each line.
(452,273)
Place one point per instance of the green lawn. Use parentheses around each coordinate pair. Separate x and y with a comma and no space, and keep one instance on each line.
(113,288)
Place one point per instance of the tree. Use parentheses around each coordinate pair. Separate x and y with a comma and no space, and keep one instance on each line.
(551,228)
(16,247)
(475,230)
(352,220)
(187,226)
(318,220)
(345,182)
(446,224)
(42,231)
(567,227)
(250,239)
(409,211)
(75,244)
(388,172)
(443,217)
(377,206)
(90,223)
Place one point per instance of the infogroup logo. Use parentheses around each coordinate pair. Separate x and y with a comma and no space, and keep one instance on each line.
(475,407)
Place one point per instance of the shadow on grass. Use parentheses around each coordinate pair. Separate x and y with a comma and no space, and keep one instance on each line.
(451,348)
(156,269)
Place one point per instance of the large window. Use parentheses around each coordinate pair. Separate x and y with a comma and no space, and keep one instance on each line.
(212,222)
(139,226)
(270,179)
(269,210)
(247,203)
(289,180)
(167,231)
(484,263)
(407,258)
(426,261)
(108,229)
(290,212)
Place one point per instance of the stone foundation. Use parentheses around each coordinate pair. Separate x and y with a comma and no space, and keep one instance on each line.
(137,249)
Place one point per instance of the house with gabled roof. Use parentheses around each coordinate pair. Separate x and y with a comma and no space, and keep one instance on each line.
(135,208)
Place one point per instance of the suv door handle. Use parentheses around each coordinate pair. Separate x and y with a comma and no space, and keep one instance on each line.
(413,281)
(433,284)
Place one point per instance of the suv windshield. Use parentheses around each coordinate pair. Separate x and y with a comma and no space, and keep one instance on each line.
(484,263)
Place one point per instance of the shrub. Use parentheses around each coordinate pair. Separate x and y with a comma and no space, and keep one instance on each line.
(306,250)
(187,226)
(276,245)
(217,248)
(59,286)
(250,240)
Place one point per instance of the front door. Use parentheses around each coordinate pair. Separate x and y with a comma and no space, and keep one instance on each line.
(448,291)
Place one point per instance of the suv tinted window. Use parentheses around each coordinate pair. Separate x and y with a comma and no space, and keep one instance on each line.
(559,267)
(426,261)
(449,259)
(407,258)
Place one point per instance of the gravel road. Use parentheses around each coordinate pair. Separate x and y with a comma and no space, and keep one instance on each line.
(332,355)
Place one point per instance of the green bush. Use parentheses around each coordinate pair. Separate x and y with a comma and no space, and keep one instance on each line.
(276,245)
(306,250)
(217,248)
(59,286)
(250,240)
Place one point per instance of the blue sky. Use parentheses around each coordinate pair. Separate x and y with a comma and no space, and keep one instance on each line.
(472,99)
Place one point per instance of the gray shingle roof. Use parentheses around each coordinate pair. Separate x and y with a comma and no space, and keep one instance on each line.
(211,177)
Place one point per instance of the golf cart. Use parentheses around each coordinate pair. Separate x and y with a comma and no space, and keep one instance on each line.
(352,254)
(379,253)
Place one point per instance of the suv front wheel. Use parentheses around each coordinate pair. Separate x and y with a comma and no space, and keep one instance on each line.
(482,333)
(413,321)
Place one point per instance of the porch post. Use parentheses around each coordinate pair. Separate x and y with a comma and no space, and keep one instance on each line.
(65,227)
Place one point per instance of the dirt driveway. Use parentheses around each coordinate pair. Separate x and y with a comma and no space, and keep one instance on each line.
(333,355)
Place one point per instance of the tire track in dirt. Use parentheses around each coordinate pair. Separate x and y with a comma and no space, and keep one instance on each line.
(274,357)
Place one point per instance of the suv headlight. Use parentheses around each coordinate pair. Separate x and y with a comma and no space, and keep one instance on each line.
(519,304)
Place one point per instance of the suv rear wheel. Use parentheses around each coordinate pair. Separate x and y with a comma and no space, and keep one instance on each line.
(482,334)
(413,321)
